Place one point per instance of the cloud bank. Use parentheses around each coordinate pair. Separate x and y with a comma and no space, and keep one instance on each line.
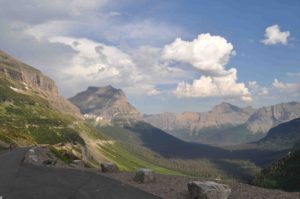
(208,54)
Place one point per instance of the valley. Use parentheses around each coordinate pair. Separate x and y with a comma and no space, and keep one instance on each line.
(149,99)
(100,125)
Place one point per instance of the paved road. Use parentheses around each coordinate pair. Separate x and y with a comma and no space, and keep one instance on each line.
(19,180)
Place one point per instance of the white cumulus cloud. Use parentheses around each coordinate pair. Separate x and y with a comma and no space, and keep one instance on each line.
(209,55)
(98,64)
(257,89)
(292,88)
(153,92)
(208,86)
(273,36)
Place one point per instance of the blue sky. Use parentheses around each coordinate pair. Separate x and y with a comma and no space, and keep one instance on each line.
(131,44)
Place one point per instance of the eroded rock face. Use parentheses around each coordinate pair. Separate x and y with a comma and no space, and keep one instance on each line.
(109,167)
(267,117)
(30,80)
(106,103)
(144,176)
(208,190)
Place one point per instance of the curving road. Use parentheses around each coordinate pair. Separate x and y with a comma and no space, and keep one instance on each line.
(19,180)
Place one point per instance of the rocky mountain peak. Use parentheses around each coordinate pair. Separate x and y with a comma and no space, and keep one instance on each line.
(106,103)
(225,107)
(107,88)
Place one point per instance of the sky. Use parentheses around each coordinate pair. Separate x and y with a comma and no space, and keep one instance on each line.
(168,56)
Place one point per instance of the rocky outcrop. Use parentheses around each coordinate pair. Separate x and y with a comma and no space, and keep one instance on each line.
(208,190)
(106,103)
(29,80)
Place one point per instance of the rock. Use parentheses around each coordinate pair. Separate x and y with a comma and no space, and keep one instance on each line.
(31,151)
(144,176)
(33,158)
(48,162)
(79,163)
(109,167)
(208,190)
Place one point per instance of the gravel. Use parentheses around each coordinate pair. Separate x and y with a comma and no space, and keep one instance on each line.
(175,187)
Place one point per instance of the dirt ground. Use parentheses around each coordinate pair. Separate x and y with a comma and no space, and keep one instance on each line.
(175,187)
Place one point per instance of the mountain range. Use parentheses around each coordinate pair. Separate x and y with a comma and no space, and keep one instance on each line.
(108,128)
(225,124)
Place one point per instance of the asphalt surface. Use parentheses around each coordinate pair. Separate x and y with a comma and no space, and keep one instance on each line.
(20,180)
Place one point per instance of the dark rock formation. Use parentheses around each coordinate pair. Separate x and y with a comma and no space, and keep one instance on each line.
(144,176)
(208,190)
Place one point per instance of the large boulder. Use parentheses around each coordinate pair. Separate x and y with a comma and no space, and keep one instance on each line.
(208,190)
(144,176)
(109,167)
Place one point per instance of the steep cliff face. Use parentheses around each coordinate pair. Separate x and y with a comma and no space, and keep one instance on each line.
(28,80)
(223,114)
(106,103)
(267,117)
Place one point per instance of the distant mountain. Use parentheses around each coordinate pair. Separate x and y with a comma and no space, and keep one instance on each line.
(106,104)
(204,127)
(267,117)
(225,124)
(283,136)
(135,142)
(223,114)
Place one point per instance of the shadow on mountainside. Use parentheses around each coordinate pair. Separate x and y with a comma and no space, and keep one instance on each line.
(171,147)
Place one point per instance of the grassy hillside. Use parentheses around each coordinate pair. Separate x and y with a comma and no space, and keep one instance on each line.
(147,145)
(28,119)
